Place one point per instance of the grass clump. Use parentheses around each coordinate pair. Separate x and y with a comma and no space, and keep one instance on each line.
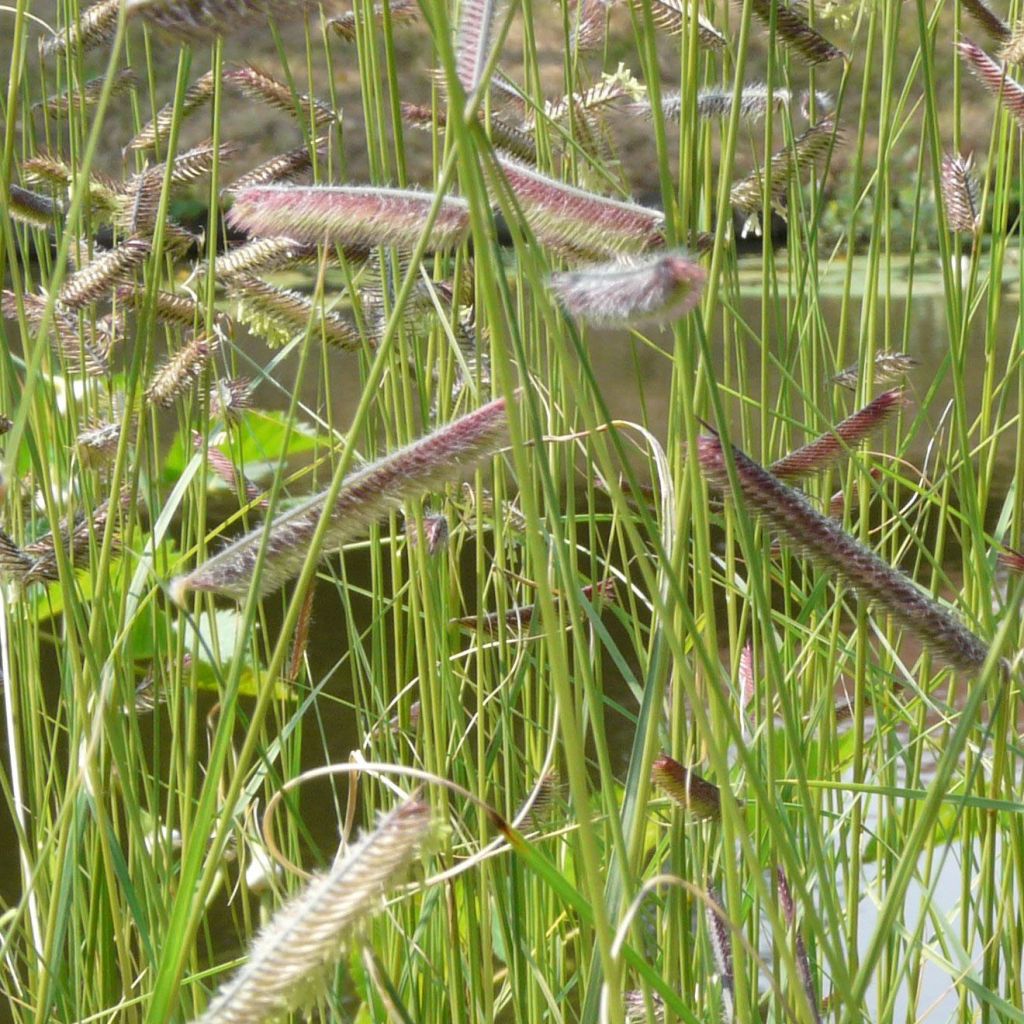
(376,397)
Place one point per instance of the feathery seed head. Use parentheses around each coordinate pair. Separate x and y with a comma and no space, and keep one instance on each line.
(255,83)
(986,18)
(279,313)
(96,25)
(655,289)
(580,223)
(366,496)
(348,215)
(807,148)
(434,534)
(400,12)
(477,20)
(97,444)
(1007,90)
(826,449)
(833,550)
(960,198)
(88,95)
(95,280)
(31,208)
(887,368)
(230,397)
(288,963)
(182,370)
(281,168)
(700,797)
(157,130)
(206,19)
(673,17)
(793,28)
(1012,50)
(635,1007)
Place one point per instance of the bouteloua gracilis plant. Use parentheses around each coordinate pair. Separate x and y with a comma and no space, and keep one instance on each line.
(602,419)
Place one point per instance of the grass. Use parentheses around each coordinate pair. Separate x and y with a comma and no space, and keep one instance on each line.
(689,750)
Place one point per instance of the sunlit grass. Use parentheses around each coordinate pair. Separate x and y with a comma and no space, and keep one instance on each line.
(537,632)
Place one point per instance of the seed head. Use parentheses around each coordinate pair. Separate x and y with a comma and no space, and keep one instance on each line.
(807,148)
(793,28)
(700,797)
(654,289)
(960,198)
(96,25)
(182,370)
(256,84)
(673,17)
(434,533)
(477,20)
(986,18)
(364,498)
(348,215)
(281,168)
(1007,90)
(833,550)
(578,223)
(95,281)
(887,368)
(400,12)
(823,451)
(278,314)
(157,130)
(290,960)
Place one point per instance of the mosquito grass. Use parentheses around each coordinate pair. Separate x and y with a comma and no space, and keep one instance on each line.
(842,754)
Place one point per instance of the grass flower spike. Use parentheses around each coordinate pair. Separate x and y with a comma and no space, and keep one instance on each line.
(291,958)
(1008,91)
(833,550)
(793,28)
(578,223)
(365,497)
(986,18)
(673,17)
(960,198)
(700,797)
(349,215)
(654,289)
(823,451)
